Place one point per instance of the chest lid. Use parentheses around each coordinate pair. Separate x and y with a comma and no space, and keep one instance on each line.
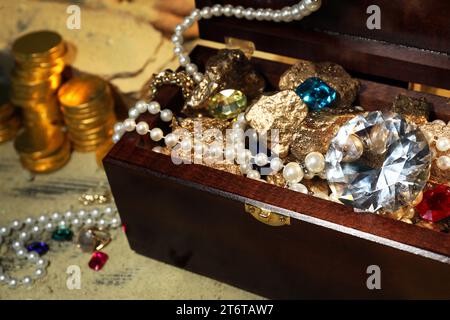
(412,43)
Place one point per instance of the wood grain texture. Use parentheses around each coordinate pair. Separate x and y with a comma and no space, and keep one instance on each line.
(175,213)
(412,46)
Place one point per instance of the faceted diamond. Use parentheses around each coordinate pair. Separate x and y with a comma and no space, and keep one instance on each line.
(38,247)
(227,104)
(435,204)
(316,94)
(62,234)
(390,172)
(98,260)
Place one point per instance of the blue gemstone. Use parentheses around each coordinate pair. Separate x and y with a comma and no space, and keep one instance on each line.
(39,247)
(316,94)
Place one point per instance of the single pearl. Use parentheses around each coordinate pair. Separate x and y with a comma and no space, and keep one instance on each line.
(259,14)
(16,245)
(195,14)
(39,273)
(286,14)
(142,128)
(313,5)
(276,16)
(176,39)
(443,144)
(248,13)
(154,107)
(206,13)
(41,263)
(292,172)
(261,159)
(184,60)
(171,140)
(116,137)
(3,278)
(16,225)
(102,223)
(55,216)
(42,219)
(5,231)
(21,253)
(191,68)
(216,10)
(178,49)
(68,214)
(315,162)
(133,113)
(89,222)
(32,256)
(64,223)
(187,23)
(129,124)
(49,226)
(179,29)
(76,222)
(82,214)
(24,236)
(267,14)
(29,221)
(245,167)
(108,211)
(227,10)
(27,281)
(443,162)
(36,230)
(166,115)
(115,223)
(439,122)
(198,77)
(299,187)
(156,134)
(253,174)
(238,11)
(141,106)
(13,283)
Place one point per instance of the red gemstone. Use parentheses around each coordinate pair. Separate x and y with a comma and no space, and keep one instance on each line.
(435,205)
(98,260)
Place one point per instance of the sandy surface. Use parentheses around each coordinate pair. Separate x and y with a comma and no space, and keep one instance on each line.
(113,38)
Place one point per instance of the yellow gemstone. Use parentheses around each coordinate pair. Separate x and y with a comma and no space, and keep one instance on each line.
(227,104)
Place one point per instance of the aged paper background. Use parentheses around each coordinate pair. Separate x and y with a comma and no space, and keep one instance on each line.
(104,47)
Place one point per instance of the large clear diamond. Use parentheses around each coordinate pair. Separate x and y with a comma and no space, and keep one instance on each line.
(388,170)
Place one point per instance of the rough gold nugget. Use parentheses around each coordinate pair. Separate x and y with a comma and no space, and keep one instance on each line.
(284,111)
(333,74)
(229,69)
(412,109)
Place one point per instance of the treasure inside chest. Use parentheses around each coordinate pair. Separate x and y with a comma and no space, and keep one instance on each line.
(273,241)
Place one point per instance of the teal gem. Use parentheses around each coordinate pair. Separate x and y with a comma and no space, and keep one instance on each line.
(62,234)
(316,94)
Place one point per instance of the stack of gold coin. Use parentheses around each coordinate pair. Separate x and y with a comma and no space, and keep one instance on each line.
(9,122)
(88,111)
(40,59)
(43,149)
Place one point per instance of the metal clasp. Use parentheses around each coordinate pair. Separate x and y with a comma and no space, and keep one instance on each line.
(267,217)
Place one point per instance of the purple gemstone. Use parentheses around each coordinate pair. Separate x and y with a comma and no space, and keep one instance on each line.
(39,247)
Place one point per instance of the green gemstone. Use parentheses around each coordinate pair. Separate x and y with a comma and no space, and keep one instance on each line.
(62,234)
(227,104)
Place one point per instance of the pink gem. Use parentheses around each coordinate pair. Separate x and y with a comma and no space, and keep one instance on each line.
(98,260)
(435,205)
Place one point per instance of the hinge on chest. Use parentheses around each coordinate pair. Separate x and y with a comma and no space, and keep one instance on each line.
(267,217)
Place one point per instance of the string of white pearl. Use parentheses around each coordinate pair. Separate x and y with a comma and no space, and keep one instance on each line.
(292,172)
(287,14)
(439,145)
(19,232)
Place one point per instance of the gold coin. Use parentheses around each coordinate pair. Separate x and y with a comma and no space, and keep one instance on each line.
(100,122)
(102,151)
(39,142)
(47,166)
(53,80)
(101,106)
(79,91)
(39,44)
(56,156)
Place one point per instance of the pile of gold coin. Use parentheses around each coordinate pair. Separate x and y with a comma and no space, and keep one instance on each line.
(88,111)
(40,59)
(43,149)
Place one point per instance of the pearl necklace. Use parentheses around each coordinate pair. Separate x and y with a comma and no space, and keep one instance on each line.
(20,232)
(292,172)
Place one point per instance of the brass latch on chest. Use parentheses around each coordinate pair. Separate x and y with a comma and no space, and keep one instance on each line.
(267,217)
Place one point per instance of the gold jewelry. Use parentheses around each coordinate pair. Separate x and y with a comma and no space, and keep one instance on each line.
(167,77)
